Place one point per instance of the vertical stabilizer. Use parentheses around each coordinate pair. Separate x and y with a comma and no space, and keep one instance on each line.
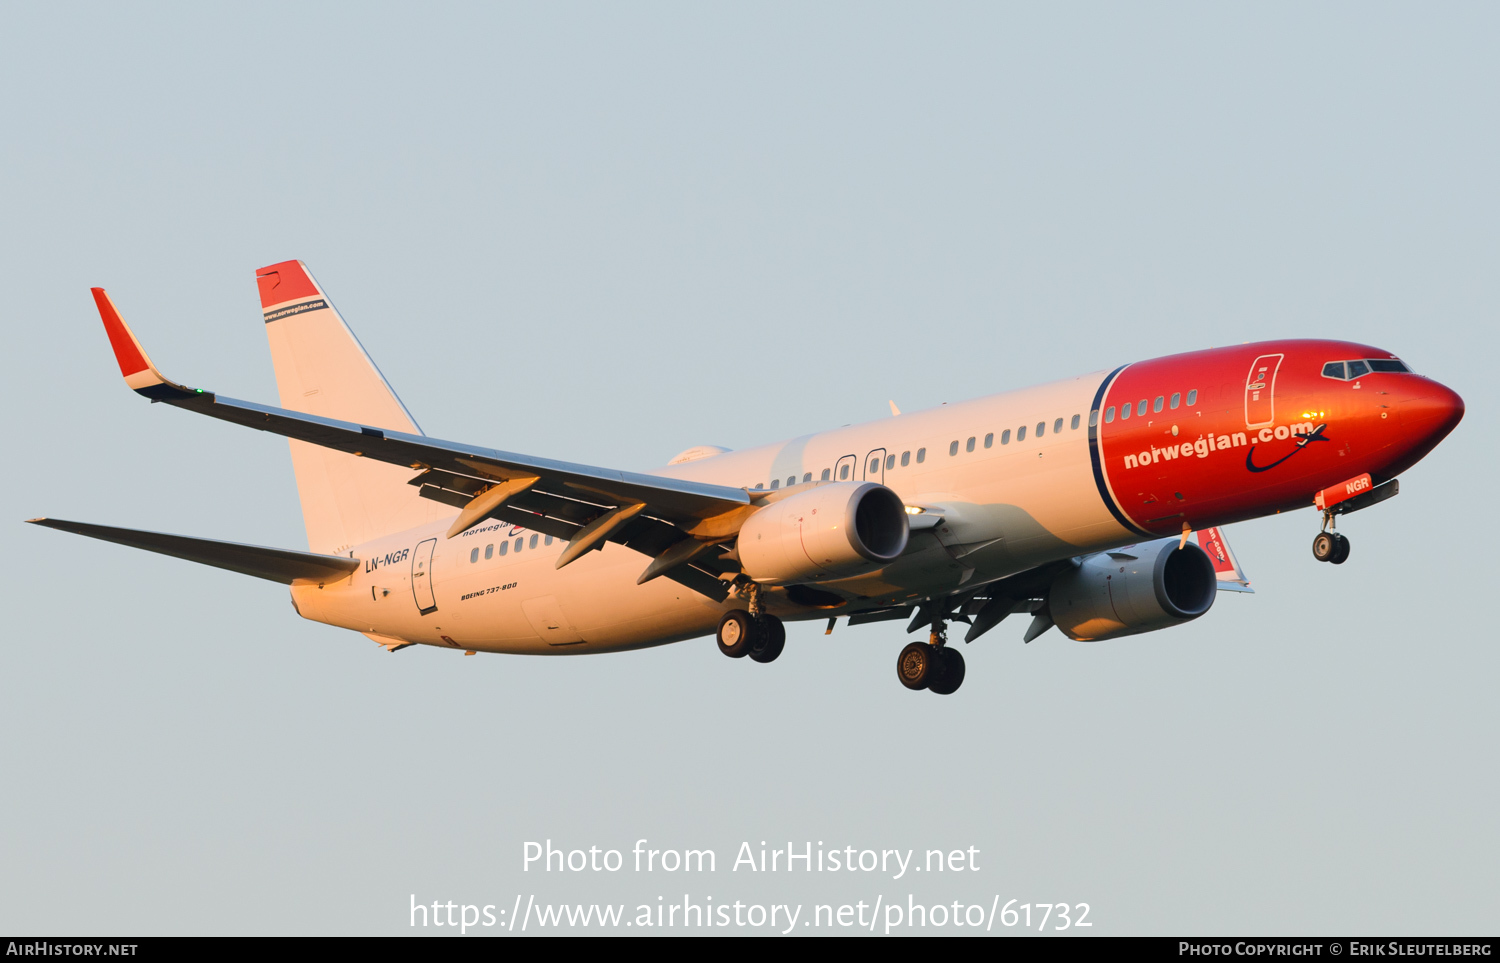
(322,369)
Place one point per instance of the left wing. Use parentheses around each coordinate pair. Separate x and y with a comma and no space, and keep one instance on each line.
(581,503)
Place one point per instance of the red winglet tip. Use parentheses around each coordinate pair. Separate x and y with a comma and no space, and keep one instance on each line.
(127,353)
(286,281)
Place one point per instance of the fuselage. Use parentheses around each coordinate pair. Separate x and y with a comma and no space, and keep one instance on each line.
(1017,479)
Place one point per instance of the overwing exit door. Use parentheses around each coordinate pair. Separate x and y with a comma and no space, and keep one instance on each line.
(1260,391)
(875,466)
(421,576)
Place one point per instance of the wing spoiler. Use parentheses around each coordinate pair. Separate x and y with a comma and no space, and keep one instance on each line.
(274,564)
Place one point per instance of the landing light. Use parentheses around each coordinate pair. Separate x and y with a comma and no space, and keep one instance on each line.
(915,510)
(1313,414)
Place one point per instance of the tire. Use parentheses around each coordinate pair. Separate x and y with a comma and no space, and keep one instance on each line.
(772,640)
(953,672)
(1340,551)
(736,633)
(1325,545)
(919,665)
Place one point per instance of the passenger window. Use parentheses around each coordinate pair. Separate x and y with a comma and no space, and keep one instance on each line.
(1057,425)
(1192,397)
(825,474)
(518,543)
(989,440)
(1159,402)
(953,449)
(1021,433)
(1124,412)
(969,445)
(532,543)
(1005,437)
(1074,425)
(775,484)
(890,462)
(547,540)
(759,485)
(905,458)
(1334,369)
(489,551)
(1176,399)
(1041,428)
(874,465)
(921,455)
(504,547)
(474,555)
(808,477)
(1140,409)
(1358,369)
(843,472)
(791,480)
(1109,414)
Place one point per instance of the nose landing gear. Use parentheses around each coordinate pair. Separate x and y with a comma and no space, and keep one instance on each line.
(1330,546)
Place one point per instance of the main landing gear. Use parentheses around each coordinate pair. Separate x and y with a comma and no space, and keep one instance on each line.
(761,638)
(1330,546)
(931,665)
(755,633)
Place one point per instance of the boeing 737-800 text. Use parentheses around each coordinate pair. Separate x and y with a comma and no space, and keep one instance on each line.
(1076,502)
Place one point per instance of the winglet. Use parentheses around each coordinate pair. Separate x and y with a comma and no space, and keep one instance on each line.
(140,374)
(1227,569)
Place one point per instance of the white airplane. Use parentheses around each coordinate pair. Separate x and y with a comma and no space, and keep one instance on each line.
(1073,502)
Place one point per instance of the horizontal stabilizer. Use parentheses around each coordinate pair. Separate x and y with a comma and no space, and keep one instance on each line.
(275,564)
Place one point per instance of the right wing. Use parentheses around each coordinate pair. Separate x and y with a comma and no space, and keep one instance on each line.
(581,503)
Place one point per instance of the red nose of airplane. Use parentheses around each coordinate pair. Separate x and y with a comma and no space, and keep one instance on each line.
(1430,412)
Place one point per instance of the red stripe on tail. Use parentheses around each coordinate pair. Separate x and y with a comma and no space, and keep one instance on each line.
(287,281)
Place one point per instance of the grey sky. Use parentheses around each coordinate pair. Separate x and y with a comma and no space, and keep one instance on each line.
(606,233)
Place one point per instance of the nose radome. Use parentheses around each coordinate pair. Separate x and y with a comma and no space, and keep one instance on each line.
(1431,412)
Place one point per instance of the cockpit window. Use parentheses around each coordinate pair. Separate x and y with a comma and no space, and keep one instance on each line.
(1349,370)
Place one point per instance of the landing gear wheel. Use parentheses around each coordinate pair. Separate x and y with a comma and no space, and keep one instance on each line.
(953,672)
(919,665)
(1326,545)
(1340,550)
(772,639)
(736,634)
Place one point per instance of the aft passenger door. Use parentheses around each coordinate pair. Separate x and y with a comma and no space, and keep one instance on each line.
(875,466)
(421,576)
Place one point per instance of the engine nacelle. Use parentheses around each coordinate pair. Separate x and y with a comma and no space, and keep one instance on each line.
(1139,588)
(829,531)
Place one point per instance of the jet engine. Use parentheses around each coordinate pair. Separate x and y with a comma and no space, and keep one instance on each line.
(1138,588)
(829,531)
